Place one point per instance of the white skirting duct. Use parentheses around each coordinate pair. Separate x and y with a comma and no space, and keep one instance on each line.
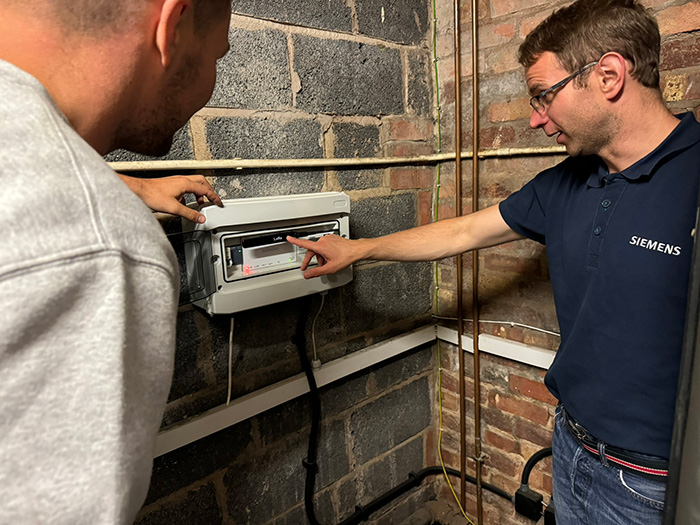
(274,395)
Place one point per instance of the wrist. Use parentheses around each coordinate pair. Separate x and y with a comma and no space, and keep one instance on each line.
(365,249)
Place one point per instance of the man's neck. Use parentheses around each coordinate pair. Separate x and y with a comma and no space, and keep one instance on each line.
(643,127)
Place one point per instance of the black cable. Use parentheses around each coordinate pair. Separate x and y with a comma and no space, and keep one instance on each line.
(362,513)
(534,459)
(309,463)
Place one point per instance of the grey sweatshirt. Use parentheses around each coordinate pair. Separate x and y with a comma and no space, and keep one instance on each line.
(88,297)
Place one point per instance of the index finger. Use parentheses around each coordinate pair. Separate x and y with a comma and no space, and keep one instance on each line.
(204,189)
(303,243)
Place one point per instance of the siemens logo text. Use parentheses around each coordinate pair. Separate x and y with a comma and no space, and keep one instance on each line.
(650,244)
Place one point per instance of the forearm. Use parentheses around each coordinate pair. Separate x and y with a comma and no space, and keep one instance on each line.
(439,239)
(424,243)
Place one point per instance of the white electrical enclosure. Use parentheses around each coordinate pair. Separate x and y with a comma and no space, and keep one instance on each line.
(240,259)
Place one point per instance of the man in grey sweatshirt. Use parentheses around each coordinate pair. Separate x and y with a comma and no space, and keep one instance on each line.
(88,281)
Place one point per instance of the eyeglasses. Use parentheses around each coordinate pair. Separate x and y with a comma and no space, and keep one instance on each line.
(538,101)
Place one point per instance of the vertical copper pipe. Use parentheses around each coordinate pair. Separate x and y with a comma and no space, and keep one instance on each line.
(475,262)
(458,212)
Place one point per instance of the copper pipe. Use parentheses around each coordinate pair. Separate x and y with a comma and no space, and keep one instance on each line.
(475,264)
(458,211)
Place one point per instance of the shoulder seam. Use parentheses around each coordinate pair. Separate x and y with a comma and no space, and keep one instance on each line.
(96,223)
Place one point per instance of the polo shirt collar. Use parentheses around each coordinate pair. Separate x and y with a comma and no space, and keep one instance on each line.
(685,134)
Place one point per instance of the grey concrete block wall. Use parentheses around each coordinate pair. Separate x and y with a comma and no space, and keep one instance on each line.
(404,21)
(419,83)
(255,467)
(398,420)
(199,507)
(355,140)
(348,78)
(255,72)
(309,80)
(264,138)
(333,15)
(373,217)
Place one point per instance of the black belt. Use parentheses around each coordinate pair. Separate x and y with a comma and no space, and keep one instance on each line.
(623,459)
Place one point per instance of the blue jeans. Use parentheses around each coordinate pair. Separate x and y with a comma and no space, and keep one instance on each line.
(586,492)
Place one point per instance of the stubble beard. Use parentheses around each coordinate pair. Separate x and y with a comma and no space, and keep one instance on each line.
(151,132)
(593,136)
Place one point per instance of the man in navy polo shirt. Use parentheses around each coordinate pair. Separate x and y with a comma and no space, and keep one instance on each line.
(617,219)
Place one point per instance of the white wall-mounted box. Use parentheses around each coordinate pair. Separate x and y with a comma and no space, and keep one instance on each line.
(240,259)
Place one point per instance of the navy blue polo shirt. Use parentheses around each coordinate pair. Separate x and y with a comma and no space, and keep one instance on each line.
(619,248)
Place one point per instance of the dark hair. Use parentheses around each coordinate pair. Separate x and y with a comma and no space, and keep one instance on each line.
(587,29)
(94,16)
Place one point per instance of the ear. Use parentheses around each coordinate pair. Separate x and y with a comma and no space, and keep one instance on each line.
(174,16)
(611,74)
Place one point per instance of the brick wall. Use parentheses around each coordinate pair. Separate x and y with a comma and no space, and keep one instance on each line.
(517,410)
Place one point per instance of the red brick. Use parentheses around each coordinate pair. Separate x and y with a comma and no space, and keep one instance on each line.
(450,401)
(411,178)
(450,457)
(469,388)
(522,408)
(495,34)
(533,433)
(547,483)
(534,389)
(516,109)
(465,12)
(450,424)
(410,130)
(514,265)
(547,341)
(409,149)
(448,358)
(450,442)
(692,91)
(497,419)
(447,186)
(497,137)
(431,455)
(501,441)
(447,94)
(527,24)
(680,52)
(499,60)
(505,7)
(504,482)
(446,211)
(495,191)
(425,207)
(540,477)
(679,19)
(450,382)
(502,463)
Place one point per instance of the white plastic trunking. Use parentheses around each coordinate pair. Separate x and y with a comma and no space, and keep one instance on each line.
(269,397)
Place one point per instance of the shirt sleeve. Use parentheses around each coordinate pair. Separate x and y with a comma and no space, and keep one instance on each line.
(525,211)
